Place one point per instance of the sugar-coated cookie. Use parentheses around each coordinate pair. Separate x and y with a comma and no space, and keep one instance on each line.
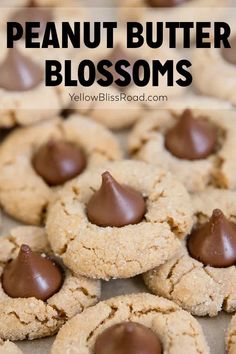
(131,316)
(28,277)
(117,220)
(202,278)
(195,144)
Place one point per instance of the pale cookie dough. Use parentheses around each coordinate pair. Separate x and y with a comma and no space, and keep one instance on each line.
(29,318)
(125,111)
(178,331)
(23,193)
(9,348)
(110,252)
(201,290)
(230,339)
(213,75)
(147,143)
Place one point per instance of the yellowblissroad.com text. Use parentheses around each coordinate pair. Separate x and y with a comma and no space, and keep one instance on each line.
(118,97)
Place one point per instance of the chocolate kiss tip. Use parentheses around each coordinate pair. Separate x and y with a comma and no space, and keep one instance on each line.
(214,243)
(115,205)
(51,143)
(107,177)
(25,249)
(25,253)
(217,213)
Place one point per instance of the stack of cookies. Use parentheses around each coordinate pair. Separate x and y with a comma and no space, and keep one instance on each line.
(156,208)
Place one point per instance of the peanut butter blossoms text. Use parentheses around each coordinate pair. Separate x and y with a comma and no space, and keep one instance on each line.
(119,68)
(92,34)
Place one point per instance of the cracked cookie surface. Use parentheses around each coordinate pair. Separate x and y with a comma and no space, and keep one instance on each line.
(177,329)
(29,318)
(23,193)
(201,290)
(147,143)
(120,252)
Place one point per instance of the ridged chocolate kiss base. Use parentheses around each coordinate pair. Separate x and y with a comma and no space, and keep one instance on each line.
(214,243)
(58,161)
(128,338)
(31,275)
(115,205)
(19,73)
(229,54)
(165,3)
(190,138)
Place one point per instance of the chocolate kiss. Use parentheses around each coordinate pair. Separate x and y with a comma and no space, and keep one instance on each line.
(31,275)
(229,54)
(19,73)
(190,138)
(58,161)
(214,243)
(115,205)
(164,3)
(128,338)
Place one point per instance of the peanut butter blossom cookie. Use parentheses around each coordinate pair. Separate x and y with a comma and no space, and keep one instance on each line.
(196,145)
(207,262)
(132,324)
(214,71)
(38,295)
(47,156)
(119,220)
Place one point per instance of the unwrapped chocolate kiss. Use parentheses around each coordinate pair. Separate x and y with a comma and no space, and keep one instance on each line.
(214,243)
(58,161)
(190,138)
(115,204)
(31,275)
